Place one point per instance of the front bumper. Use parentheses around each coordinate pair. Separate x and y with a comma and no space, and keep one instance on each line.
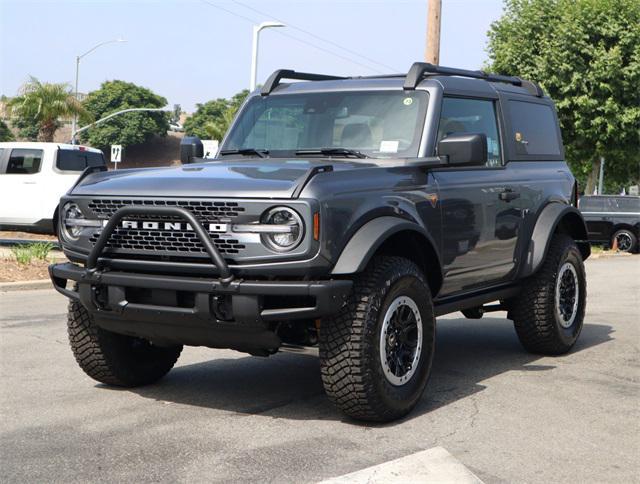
(226,312)
(186,310)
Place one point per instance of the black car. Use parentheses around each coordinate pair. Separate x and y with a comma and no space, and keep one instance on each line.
(612,220)
(342,213)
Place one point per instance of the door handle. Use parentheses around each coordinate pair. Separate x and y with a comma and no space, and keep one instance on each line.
(29,183)
(508,194)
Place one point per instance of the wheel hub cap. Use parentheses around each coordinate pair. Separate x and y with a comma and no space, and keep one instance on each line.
(401,340)
(624,242)
(567,295)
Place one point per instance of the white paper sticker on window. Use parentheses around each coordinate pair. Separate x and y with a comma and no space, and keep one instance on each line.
(389,146)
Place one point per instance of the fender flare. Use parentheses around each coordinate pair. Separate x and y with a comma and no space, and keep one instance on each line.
(550,218)
(365,242)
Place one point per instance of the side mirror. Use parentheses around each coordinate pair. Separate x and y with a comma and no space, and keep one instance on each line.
(464,148)
(190,147)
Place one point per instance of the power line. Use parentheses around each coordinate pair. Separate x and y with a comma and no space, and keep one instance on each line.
(315,36)
(252,21)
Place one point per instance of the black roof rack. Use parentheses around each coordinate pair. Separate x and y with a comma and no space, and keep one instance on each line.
(419,70)
(277,76)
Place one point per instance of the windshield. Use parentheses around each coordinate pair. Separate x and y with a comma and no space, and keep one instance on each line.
(376,123)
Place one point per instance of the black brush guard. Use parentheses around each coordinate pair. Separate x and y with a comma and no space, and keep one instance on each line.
(104,294)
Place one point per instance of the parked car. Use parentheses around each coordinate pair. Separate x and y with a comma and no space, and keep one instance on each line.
(33,177)
(343,213)
(612,219)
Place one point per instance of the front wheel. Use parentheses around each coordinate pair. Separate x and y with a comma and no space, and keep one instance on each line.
(549,312)
(376,354)
(116,359)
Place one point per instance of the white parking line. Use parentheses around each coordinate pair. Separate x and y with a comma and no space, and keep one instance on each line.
(431,466)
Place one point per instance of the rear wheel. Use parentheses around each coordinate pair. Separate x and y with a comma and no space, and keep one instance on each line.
(116,359)
(549,312)
(376,354)
(625,240)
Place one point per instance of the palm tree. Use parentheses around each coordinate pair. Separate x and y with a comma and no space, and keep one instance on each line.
(43,104)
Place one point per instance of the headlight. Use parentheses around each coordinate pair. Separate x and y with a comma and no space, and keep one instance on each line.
(288,229)
(70,215)
(73,221)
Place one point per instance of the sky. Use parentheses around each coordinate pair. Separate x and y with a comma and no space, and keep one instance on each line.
(191,51)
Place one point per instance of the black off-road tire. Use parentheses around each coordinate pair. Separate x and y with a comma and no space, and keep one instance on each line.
(350,355)
(116,359)
(539,326)
(630,239)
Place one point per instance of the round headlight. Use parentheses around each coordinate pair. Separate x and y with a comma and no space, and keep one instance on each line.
(288,229)
(70,215)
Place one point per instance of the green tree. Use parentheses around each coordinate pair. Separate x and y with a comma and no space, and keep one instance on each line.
(5,132)
(212,119)
(129,128)
(41,105)
(586,55)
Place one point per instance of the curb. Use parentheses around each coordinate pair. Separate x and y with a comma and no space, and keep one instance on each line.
(25,285)
(606,255)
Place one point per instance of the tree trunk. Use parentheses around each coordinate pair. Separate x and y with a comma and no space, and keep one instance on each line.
(47,131)
(592,179)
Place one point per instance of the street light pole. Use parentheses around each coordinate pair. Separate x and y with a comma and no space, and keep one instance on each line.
(254,50)
(117,113)
(74,122)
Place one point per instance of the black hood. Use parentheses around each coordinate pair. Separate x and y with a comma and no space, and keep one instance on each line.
(268,178)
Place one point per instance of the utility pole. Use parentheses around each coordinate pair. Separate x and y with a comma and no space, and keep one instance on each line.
(432,52)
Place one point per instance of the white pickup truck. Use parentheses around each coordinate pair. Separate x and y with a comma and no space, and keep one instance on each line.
(33,177)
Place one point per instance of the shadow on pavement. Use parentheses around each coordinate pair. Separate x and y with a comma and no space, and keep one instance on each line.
(467,352)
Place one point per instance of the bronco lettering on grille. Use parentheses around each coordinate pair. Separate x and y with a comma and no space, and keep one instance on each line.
(172,226)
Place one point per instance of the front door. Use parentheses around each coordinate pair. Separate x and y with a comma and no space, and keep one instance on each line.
(480,212)
(20,186)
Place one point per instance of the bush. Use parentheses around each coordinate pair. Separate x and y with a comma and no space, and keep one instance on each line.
(24,254)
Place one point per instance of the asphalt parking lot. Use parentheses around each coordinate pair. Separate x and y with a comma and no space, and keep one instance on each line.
(222,416)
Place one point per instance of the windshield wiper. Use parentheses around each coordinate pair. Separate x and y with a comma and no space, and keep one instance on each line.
(246,152)
(346,152)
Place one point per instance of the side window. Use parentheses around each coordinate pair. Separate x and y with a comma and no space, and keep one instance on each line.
(78,160)
(533,129)
(592,204)
(24,161)
(95,159)
(472,116)
(624,204)
(71,160)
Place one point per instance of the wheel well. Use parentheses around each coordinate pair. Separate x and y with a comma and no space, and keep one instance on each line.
(628,227)
(572,225)
(54,222)
(417,248)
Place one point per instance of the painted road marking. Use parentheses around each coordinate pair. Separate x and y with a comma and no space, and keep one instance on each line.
(431,466)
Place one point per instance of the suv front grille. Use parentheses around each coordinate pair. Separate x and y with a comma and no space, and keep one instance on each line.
(204,210)
(183,241)
(167,243)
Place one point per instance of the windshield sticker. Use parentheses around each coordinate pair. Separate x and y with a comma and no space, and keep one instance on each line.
(408,101)
(389,146)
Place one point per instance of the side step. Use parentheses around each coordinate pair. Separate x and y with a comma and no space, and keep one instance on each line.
(460,302)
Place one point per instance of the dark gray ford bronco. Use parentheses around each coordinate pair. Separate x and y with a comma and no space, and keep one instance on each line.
(342,213)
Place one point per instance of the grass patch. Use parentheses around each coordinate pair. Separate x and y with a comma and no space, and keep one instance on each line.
(24,254)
